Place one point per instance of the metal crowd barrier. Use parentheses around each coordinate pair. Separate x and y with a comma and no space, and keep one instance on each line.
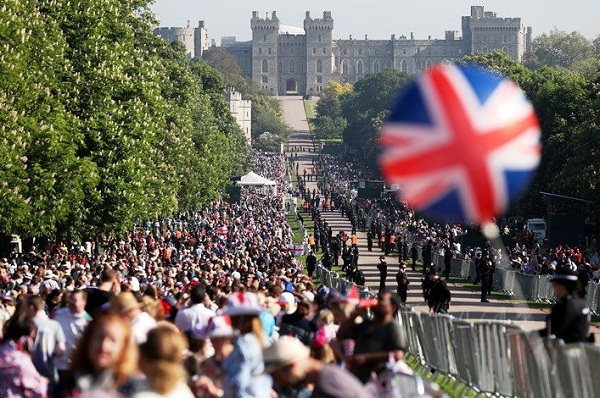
(333,280)
(500,358)
(517,284)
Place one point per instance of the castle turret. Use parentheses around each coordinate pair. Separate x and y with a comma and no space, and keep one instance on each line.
(319,52)
(265,35)
(484,32)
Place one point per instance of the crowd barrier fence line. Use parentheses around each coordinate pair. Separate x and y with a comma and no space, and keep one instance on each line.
(500,358)
(517,284)
(333,280)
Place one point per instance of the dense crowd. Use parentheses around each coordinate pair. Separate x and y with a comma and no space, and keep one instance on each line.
(214,302)
(209,303)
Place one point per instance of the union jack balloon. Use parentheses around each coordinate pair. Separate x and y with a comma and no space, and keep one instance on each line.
(461,143)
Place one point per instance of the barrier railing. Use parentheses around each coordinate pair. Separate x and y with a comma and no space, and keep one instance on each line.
(334,280)
(517,284)
(501,358)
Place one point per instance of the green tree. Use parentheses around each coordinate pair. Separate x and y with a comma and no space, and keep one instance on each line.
(328,121)
(365,108)
(559,48)
(43,179)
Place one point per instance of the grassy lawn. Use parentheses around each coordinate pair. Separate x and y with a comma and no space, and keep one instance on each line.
(297,234)
(449,385)
(309,109)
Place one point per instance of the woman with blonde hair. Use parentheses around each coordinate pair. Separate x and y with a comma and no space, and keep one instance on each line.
(161,360)
(105,359)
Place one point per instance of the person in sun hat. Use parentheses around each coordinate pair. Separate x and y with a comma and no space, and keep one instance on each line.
(244,367)
(569,318)
(290,364)
(221,333)
(127,305)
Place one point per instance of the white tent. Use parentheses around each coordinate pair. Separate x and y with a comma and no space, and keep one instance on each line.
(253,179)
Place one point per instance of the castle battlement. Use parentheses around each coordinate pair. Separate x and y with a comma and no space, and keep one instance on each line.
(292,60)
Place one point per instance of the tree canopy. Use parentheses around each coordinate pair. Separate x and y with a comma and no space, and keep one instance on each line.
(103,123)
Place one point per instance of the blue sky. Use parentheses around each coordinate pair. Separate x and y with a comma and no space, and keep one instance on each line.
(378,19)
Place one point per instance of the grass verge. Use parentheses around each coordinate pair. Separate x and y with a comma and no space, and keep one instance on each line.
(452,387)
(309,109)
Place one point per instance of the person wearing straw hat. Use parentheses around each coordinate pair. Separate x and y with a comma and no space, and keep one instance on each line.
(127,305)
(290,364)
(569,318)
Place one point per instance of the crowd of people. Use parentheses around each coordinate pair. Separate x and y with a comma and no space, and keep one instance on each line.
(203,304)
(214,303)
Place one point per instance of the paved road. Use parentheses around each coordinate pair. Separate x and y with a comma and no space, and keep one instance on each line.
(465,303)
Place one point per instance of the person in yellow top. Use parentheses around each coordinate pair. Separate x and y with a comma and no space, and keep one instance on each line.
(311,242)
(354,239)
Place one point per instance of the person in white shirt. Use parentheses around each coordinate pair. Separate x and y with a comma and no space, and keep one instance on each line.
(49,341)
(196,316)
(73,321)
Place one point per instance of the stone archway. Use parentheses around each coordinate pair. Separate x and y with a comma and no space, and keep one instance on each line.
(291,86)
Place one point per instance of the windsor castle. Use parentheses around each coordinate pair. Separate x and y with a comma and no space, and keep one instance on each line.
(289,60)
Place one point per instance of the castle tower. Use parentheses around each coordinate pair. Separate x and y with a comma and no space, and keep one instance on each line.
(265,38)
(484,32)
(201,42)
(319,52)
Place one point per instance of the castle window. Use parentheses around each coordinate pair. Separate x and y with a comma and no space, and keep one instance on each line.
(344,67)
(404,51)
(505,39)
(319,38)
(264,79)
(403,67)
(483,38)
(269,50)
(265,66)
(314,50)
(292,67)
(376,66)
(292,50)
(491,39)
(505,50)
(265,38)
(359,67)
(388,64)
(345,51)
(319,66)
(428,63)
(319,79)
(484,50)
(418,65)
(260,50)
(324,51)
(360,51)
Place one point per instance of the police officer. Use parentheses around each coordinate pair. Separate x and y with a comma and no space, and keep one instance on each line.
(438,295)
(382,267)
(414,255)
(569,318)
(402,281)
(485,265)
(311,263)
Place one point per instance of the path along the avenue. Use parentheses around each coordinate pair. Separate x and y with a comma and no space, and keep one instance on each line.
(465,302)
